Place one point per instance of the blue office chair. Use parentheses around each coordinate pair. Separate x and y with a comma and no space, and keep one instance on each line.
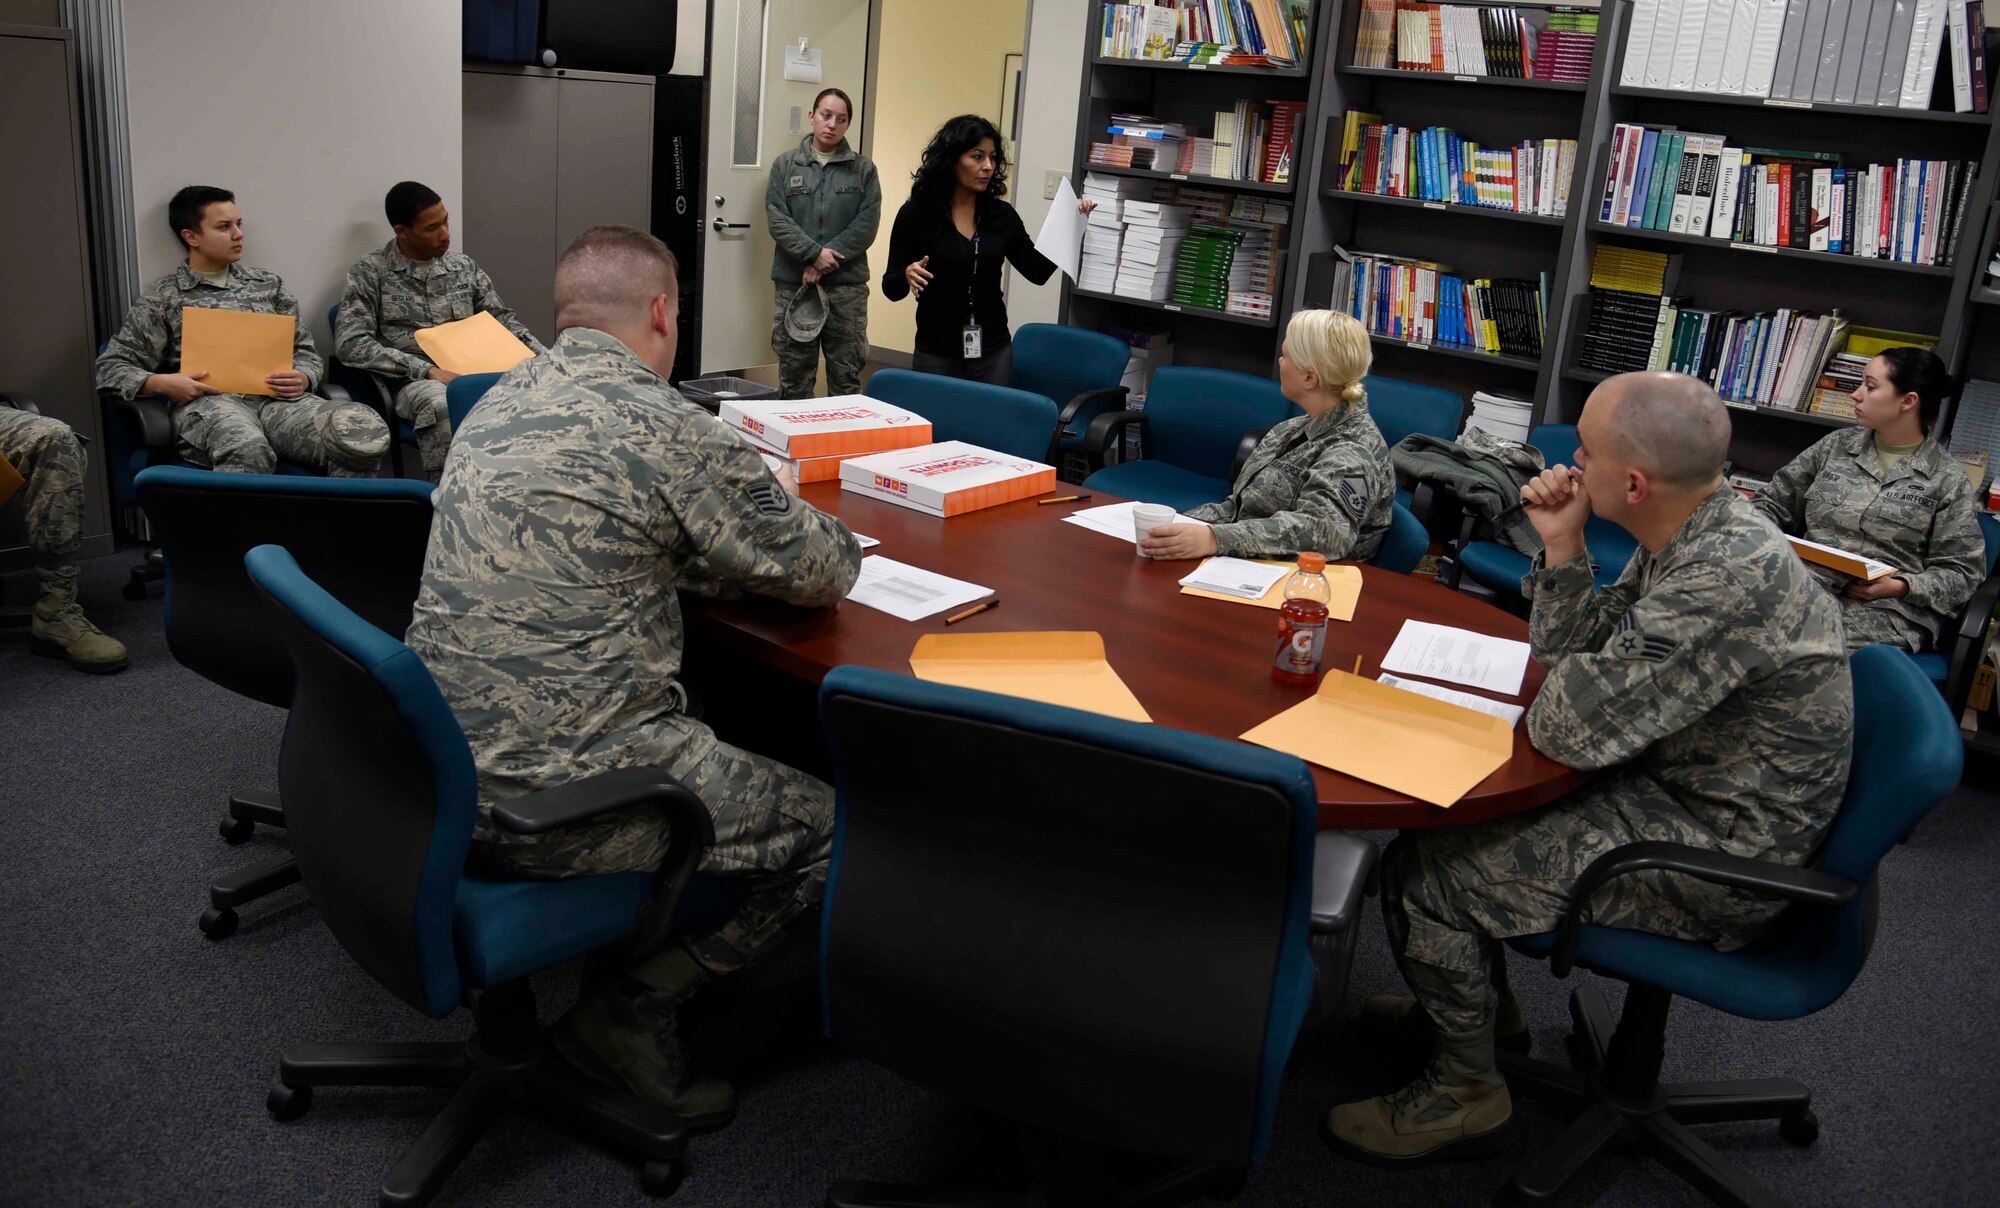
(1194,425)
(1500,570)
(381,797)
(1076,369)
(1405,544)
(994,936)
(376,391)
(1907,757)
(464,393)
(1402,409)
(364,538)
(1001,418)
(1952,665)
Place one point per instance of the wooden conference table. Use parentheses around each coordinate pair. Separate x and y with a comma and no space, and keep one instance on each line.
(1195,664)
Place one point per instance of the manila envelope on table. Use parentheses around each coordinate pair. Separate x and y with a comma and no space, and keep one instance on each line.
(1065,669)
(475,345)
(1430,749)
(236,348)
(1345,581)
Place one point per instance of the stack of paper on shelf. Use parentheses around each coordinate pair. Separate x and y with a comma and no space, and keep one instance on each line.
(946,479)
(1153,234)
(1499,415)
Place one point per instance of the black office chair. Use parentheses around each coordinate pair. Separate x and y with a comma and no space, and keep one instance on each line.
(363,538)
(381,793)
(1094,928)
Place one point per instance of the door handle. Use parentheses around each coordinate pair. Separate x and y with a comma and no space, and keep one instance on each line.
(720,225)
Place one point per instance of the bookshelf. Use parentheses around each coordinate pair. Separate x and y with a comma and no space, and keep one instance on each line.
(1192,94)
(1956,303)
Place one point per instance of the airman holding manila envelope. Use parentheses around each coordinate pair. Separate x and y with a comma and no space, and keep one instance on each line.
(1711,684)
(240,432)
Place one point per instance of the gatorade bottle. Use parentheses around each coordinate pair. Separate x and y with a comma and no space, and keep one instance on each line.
(1302,623)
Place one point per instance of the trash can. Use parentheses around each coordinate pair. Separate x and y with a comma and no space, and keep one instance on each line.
(710,391)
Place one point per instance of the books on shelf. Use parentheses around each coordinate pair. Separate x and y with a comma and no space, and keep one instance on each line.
(1258,33)
(1884,53)
(1975,428)
(1500,415)
(1252,141)
(1554,43)
(1634,270)
(1663,179)
(1437,164)
(1422,302)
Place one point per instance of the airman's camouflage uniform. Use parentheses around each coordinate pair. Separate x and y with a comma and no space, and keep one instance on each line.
(243,433)
(1713,678)
(49,456)
(812,206)
(1315,483)
(578,499)
(386,299)
(1921,517)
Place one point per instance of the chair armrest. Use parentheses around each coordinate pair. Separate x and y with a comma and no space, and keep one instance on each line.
(1805,886)
(1115,394)
(335,392)
(1452,570)
(152,413)
(690,832)
(1968,637)
(1104,431)
(1340,873)
(19,401)
(1244,448)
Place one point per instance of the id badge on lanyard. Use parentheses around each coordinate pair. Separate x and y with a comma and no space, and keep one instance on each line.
(974,341)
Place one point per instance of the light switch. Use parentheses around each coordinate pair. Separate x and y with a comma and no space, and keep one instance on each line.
(1051,181)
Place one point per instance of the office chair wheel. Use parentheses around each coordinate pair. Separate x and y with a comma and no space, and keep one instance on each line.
(661,1179)
(236,830)
(1801,1130)
(288,1102)
(217,924)
(133,591)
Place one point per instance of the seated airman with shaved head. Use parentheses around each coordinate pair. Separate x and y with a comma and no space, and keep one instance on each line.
(1710,682)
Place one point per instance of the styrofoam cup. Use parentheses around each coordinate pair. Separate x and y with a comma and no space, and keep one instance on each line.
(1148,516)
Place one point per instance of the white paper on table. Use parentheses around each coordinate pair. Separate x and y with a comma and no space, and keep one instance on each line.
(1236,577)
(1061,239)
(866,542)
(1115,520)
(910,592)
(1511,714)
(1459,655)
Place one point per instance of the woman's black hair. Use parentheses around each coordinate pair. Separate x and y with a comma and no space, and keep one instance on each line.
(1921,372)
(937,172)
(827,92)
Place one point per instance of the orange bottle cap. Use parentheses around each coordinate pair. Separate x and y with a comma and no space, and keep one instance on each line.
(1312,562)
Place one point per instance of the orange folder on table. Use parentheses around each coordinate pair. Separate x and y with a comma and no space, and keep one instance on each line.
(479,344)
(237,349)
(1345,581)
(1430,749)
(10,480)
(1067,669)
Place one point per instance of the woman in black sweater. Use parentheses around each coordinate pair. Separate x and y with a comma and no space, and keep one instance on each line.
(947,247)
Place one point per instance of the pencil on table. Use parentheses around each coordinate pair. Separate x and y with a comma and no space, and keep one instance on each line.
(973,611)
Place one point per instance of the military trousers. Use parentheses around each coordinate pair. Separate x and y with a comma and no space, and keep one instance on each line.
(995,368)
(1875,623)
(773,828)
(844,340)
(422,402)
(1450,895)
(50,460)
(248,433)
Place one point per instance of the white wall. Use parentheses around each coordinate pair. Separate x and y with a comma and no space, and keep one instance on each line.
(1048,135)
(308,111)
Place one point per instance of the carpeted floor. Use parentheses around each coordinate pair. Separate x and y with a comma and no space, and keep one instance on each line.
(135,1054)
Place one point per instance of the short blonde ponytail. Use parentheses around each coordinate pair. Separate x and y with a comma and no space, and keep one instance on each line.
(1334,347)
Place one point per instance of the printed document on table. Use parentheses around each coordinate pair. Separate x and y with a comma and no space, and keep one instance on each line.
(1061,239)
(1238,577)
(1115,520)
(910,592)
(865,542)
(1460,656)
(1511,714)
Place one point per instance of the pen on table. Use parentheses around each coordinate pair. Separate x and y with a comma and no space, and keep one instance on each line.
(1357,664)
(973,611)
(1062,499)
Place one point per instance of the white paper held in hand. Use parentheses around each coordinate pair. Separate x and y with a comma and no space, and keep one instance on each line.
(1061,239)
(910,592)
(1511,714)
(1460,656)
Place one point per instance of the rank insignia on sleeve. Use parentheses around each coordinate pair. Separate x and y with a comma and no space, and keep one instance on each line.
(770,497)
(1353,495)
(1631,644)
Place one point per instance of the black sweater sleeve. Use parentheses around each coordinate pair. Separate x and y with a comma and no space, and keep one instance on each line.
(905,247)
(1021,250)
